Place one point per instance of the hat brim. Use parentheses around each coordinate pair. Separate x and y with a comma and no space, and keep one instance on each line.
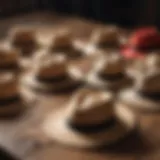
(12,109)
(30,81)
(94,80)
(57,129)
(85,46)
(134,100)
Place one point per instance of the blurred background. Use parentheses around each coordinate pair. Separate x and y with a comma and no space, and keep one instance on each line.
(122,12)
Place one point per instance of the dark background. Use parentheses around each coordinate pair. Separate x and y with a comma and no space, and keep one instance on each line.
(123,12)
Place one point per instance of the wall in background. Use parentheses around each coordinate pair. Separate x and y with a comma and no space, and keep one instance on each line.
(124,12)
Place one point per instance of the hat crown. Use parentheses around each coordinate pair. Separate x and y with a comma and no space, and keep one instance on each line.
(50,65)
(51,61)
(148,73)
(113,63)
(62,39)
(89,106)
(23,34)
(108,35)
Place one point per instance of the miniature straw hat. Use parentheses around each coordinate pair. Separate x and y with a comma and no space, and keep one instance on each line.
(145,94)
(89,120)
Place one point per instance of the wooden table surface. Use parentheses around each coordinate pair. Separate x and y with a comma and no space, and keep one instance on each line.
(22,136)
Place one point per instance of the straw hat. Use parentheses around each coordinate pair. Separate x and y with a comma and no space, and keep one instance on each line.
(89,120)
(109,72)
(23,38)
(146,90)
(10,101)
(80,69)
(49,74)
(63,42)
(105,38)
(9,57)
(63,39)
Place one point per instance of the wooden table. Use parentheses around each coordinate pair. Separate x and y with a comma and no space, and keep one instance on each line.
(23,138)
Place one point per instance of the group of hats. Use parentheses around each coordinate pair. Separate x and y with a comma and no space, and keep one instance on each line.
(13,49)
(116,75)
(102,112)
(21,51)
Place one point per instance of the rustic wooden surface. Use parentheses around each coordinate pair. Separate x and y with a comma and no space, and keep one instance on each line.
(23,137)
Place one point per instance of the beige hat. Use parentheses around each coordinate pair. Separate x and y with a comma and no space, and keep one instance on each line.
(49,74)
(63,39)
(10,101)
(104,38)
(63,43)
(145,94)
(109,72)
(23,38)
(52,66)
(146,73)
(89,120)
(9,56)
(108,36)
(8,85)
(81,68)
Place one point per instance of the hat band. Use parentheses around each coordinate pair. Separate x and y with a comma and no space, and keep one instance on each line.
(107,45)
(9,100)
(152,95)
(95,128)
(112,77)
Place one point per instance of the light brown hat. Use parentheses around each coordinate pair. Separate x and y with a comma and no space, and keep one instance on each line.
(49,73)
(51,66)
(107,67)
(8,85)
(10,101)
(108,36)
(9,56)
(146,73)
(111,64)
(89,120)
(62,39)
(144,95)
(24,38)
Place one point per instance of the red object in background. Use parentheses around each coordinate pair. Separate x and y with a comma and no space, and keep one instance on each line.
(145,38)
(140,41)
(130,53)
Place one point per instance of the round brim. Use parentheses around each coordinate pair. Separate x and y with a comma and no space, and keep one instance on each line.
(86,47)
(29,80)
(132,99)
(57,129)
(94,80)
